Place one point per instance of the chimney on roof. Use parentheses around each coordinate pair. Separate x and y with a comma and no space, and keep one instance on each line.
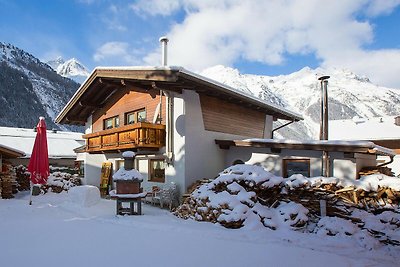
(397,120)
(164,41)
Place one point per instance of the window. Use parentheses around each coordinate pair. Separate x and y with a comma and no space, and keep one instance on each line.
(296,166)
(119,163)
(110,123)
(79,167)
(157,170)
(135,116)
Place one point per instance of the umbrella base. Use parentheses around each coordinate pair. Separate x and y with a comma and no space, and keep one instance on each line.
(36,190)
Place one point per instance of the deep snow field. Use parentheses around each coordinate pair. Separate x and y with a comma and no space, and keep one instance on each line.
(56,231)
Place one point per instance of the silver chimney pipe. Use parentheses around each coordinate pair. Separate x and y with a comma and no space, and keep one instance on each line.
(323,135)
(164,41)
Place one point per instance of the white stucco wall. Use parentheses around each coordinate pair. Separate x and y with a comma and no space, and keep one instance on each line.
(340,167)
(268,126)
(203,158)
(273,161)
(363,160)
(345,168)
(88,125)
(92,168)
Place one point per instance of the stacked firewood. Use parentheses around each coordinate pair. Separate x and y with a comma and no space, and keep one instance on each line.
(373,200)
(60,181)
(8,181)
(7,186)
(23,180)
(375,170)
(194,186)
(339,201)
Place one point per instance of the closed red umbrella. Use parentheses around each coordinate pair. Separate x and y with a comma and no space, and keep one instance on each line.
(39,161)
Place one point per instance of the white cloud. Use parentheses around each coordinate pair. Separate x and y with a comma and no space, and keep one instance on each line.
(156,7)
(223,32)
(116,53)
(378,7)
(113,19)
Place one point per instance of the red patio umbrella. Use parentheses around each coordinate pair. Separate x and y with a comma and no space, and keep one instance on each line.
(39,161)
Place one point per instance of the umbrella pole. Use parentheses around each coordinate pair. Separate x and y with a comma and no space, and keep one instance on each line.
(30,197)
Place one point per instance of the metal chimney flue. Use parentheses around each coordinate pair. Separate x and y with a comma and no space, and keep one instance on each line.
(164,41)
(323,135)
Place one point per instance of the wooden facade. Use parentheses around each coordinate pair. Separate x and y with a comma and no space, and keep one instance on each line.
(231,118)
(134,136)
(139,135)
(120,106)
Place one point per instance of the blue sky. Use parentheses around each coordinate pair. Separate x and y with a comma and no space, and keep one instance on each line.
(256,36)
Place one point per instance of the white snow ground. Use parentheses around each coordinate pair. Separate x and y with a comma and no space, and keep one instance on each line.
(54,231)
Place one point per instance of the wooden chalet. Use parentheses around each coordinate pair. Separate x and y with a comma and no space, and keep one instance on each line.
(169,115)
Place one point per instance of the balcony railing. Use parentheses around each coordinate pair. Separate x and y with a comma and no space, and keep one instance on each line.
(140,135)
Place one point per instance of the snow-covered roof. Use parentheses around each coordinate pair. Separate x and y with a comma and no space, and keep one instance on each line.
(60,144)
(10,152)
(328,145)
(378,128)
(160,74)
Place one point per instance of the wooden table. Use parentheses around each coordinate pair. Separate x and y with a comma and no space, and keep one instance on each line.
(132,199)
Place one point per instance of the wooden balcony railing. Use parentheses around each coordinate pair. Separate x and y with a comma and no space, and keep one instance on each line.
(133,136)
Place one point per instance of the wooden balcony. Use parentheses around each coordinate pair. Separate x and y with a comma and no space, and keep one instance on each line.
(140,135)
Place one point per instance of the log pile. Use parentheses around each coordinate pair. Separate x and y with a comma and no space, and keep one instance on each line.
(375,200)
(375,170)
(60,181)
(340,201)
(8,181)
(23,180)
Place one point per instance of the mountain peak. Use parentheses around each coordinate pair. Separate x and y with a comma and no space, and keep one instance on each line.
(30,89)
(70,68)
(350,95)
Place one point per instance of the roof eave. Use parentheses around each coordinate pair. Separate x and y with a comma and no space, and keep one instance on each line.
(102,71)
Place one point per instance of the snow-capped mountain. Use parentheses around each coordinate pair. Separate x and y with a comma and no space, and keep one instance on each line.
(349,95)
(55,63)
(29,88)
(71,68)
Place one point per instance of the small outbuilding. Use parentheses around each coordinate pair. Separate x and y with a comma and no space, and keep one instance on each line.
(61,145)
(286,157)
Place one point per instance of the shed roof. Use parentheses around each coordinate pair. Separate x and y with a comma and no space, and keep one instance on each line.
(103,82)
(60,144)
(365,147)
(9,152)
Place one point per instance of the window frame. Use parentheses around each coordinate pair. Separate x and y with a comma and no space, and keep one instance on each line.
(152,177)
(285,165)
(114,120)
(135,113)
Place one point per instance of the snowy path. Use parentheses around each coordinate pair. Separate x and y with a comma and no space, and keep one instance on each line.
(53,232)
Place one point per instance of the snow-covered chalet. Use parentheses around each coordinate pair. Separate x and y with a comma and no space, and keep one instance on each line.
(181,125)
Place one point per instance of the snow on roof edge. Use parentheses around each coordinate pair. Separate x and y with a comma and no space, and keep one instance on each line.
(80,90)
(358,143)
(231,89)
(13,149)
